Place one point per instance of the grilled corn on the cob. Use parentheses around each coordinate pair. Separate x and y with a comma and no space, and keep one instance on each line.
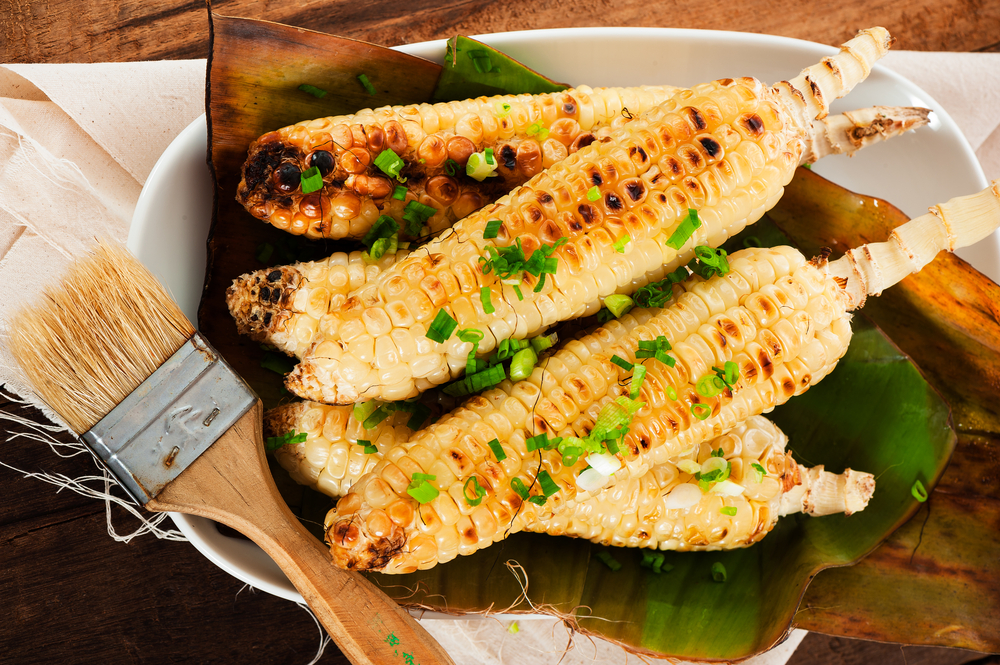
(526,133)
(783,321)
(724,148)
(285,308)
(651,511)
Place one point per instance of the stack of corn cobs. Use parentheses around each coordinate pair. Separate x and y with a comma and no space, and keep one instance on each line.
(642,432)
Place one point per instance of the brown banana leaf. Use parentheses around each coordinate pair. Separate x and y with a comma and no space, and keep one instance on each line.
(937,580)
(255,70)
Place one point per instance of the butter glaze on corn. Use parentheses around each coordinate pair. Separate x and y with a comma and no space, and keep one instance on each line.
(355,192)
(639,512)
(775,315)
(272,308)
(725,148)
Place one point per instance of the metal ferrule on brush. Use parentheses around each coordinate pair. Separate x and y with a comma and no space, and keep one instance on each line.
(174,416)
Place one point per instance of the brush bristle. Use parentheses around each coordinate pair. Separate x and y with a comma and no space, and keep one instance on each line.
(97,336)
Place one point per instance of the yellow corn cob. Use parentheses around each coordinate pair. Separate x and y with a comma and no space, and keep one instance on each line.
(773,314)
(526,132)
(783,321)
(724,148)
(650,511)
(295,301)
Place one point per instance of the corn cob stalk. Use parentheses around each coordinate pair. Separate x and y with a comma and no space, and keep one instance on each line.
(526,133)
(282,309)
(651,511)
(724,148)
(783,321)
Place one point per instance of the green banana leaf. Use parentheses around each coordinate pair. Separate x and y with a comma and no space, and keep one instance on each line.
(874,413)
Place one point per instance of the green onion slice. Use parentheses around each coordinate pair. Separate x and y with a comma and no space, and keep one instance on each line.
(368,84)
(415,214)
(477,491)
(451,167)
(399,193)
(543,342)
(318,93)
(593,193)
(638,375)
(389,162)
(442,327)
(497,450)
(701,411)
(609,561)
(728,510)
(517,485)
(377,416)
(492,229)
(384,227)
(370,449)
(621,242)
(275,442)
(503,109)
(522,363)
(311,180)
(618,304)
(709,385)
(685,230)
(718,572)
(545,482)
(420,489)
(421,412)
(918,491)
(364,409)
(484,296)
(621,362)
(536,129)
(758,471)
(479,167)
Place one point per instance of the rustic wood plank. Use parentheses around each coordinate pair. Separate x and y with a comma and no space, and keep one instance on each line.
(95,30)
(817,648)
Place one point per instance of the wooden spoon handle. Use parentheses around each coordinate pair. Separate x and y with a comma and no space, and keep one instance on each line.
(230,483)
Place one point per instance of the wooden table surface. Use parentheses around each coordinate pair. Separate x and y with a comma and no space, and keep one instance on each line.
(69,592)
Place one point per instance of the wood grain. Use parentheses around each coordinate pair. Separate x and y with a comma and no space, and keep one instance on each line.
(129,30)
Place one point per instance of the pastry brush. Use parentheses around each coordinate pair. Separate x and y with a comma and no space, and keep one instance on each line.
(112,354)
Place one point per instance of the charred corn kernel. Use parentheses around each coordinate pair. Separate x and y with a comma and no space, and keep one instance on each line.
(649,172)
(666,509)
(703,325)
(434,142)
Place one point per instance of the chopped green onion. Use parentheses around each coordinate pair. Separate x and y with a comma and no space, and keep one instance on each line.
(538,500)
(658,293)
(489,156)
(729,374)
(657,349)
(364,409)
(380,414)
(420,414)
(609,561)
(277,362)
(701,411)
(543,342)
(621,242)
(503,109)
(671,392)
(685,230)
(593,193)
(728,510)
(536,129)
(476,382)
(389,162)
(709,385)
(451,167)
(759,471)
(517,291)
(541,442)
(368,84)
(415,214)
(654,561)
(275,442)
(718,572)
(522,363)
(479,167)
(442,327)
(492,229)
(311,180)
(384,227)
(621,362)
(421,490)
(264,252)
(517,485)
(709,261)
(718,452)
(473,335)
(618,304)
(751,241)
(545,482)
(604,315)
(484,296)
(512,629)
(637,378)
(477,490)
(399,193)
(381,247)
(370,449)
(319,93)
(918,491)
(497,450)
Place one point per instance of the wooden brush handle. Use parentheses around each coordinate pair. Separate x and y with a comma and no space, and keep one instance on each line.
(231,483)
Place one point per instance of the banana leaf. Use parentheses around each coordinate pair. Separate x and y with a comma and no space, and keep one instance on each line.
(875,413)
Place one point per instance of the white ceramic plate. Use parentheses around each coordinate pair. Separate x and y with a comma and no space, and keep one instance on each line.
(171,223)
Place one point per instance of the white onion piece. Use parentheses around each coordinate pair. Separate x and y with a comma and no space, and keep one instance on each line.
(683,496)
(728,488)
(689,466)
(604,463)
(591,480)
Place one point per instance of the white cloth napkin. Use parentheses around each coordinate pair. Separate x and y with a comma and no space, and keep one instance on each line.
(78,141)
